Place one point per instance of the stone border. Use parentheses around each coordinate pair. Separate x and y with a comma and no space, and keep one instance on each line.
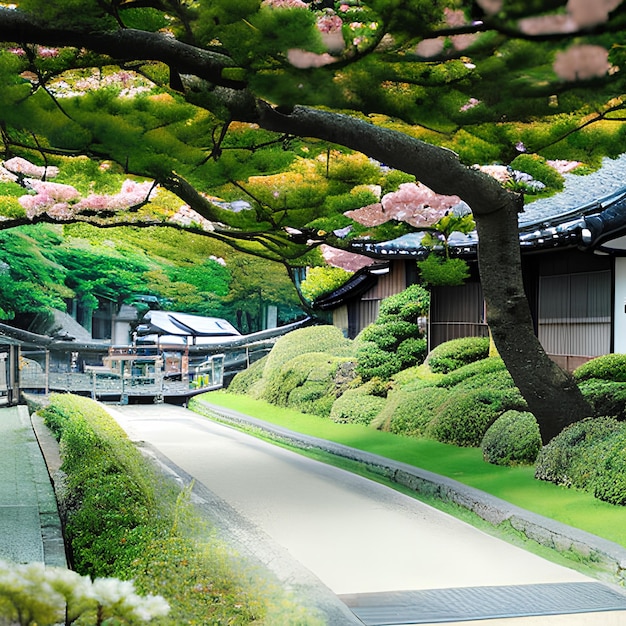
(608,556)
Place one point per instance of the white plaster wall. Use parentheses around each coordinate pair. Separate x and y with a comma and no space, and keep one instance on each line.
(620,305)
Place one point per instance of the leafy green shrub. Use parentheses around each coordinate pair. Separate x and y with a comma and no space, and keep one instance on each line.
(539,169)
(465,416)
(512,439)
(407,305)
(375,362)
(439,271)
(244,381)
(395,340)
(605,396)
(390,334)
(606,367)
(309,383)
(453,354)
(312,339)
(588,455)
(322,280)
(124,520)
(609,484)
(358,406)
(417,375)
(476,371)
(409,412)
(572,457)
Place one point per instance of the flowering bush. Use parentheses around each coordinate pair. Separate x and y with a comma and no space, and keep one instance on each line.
(34,594)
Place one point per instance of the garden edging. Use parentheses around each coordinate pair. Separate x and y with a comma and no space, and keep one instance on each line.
(607,556)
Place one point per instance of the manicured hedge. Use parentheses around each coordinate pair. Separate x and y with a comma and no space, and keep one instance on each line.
(588,455)
(410,410)
(327,339)
(605,396)
(309,383)
(394,341)
(512,439)
(465,416)
(124,520)
(453,354)
(606,367)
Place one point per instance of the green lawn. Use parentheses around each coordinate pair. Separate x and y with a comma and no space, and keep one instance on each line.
(514,484)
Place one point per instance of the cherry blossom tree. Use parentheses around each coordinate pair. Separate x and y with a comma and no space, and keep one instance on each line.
(210,94)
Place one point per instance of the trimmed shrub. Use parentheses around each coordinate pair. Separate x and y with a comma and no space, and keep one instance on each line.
(605,396)
(244,381)
(420,375)
(327,339)
(609,484)
(309,383)
(489,372)
(374,362)
(572,457)
(357,406)
(395,340)
(465,416)
(407,305)
(512,439)
(608,367)
(453,354)
(409,412)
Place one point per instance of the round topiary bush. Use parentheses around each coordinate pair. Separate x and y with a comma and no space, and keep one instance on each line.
(463,419)
(374,362)
(409,412)
(395,340)
(327,339)
(609,483)
(572,457)
(607,367)
(302,381)
(605,396)
(453,354)
(355,406)
(243,381)
(512,439)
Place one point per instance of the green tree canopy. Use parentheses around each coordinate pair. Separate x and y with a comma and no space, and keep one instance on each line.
(302,111)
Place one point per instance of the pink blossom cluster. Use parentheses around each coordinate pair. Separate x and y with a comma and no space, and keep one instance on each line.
(42,51)
(186,216)
(285,4)
(63,202)
(470,104)
(562,166)
(500,172)
(12,168)
(413,203)
(128,83)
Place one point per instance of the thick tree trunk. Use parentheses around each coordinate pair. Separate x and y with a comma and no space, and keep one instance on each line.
(551,393)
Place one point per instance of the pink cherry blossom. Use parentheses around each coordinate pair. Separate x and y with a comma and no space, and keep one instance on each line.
(17,165)
(285,4)
(413,203)
(582,62)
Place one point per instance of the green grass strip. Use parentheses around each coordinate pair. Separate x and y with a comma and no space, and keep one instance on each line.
(516,485)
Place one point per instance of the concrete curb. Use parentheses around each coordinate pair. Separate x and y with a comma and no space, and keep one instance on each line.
(51,529)
(607,556)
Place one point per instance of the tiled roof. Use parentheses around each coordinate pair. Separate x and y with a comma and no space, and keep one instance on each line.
(588,211)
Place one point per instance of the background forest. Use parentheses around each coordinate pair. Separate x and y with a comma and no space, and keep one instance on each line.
(46,267)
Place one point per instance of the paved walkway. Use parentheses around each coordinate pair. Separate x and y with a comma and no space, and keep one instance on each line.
(30,529)
(392,559)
